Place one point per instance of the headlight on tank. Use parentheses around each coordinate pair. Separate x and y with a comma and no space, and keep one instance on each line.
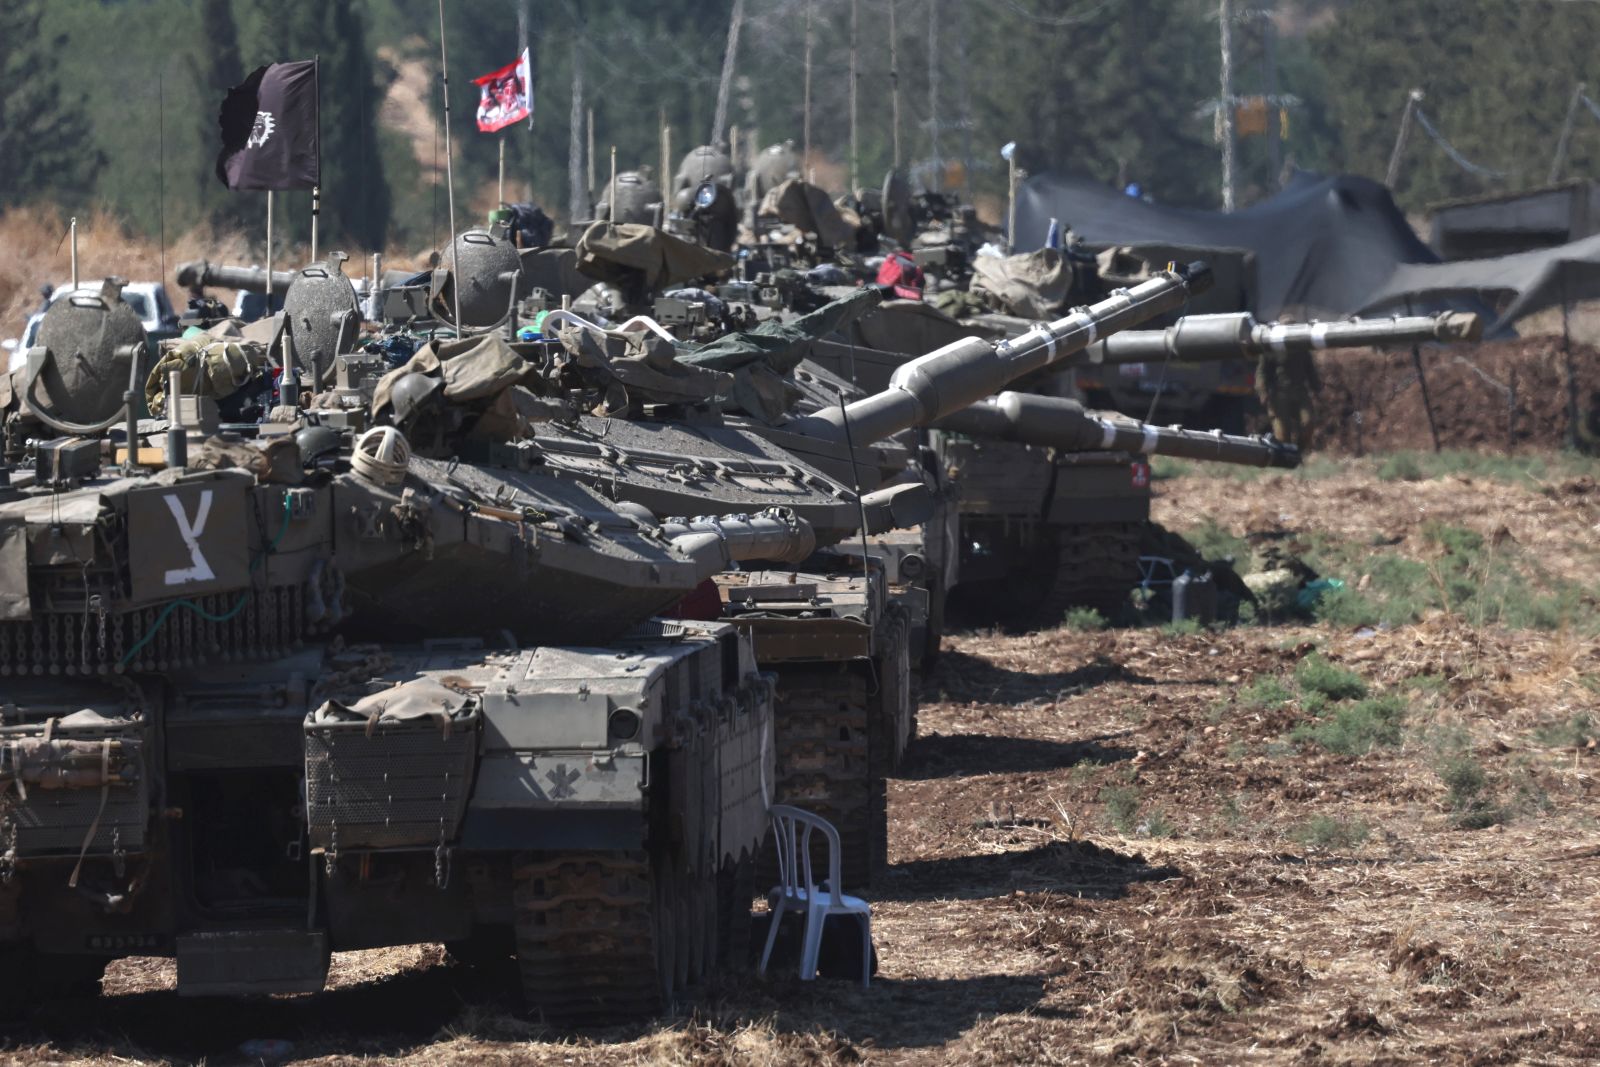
(912,567)
(623,725)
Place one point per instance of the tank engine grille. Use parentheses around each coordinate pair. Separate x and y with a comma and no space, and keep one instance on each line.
(221,627)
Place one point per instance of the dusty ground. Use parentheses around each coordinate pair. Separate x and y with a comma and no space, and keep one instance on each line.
(1107,846)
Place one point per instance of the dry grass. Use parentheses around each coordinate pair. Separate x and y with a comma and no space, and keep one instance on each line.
(1017,926)
(34,250)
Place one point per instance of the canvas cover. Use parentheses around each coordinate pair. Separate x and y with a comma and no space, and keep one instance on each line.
(1518,284)
(760,359)
(1323,247)
(807,208)
(627,252)
(1032,285)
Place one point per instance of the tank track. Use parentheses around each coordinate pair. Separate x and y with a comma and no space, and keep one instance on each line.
(824,755)
(1097,564)
(589,941)
(843,728)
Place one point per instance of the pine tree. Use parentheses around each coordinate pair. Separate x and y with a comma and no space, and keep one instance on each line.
(45,141)
(355,194)
(215,67)
(1496,76)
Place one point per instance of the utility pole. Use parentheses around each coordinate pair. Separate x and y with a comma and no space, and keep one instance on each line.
(1566,132)
(963,93)
(933,95)
(589,157)
(575,193)
(894,82)
(720,122)
(1225,102)
(1393,175)
(665,140)
(855,83)
(1269,58)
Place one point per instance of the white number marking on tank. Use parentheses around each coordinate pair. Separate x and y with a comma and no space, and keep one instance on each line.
(199,570)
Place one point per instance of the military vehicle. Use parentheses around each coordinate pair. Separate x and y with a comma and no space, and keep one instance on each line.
(837,641)
(267,701)
(1050,520)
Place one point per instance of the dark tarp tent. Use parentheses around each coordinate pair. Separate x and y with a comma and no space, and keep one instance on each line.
(1321,247)
(1519,284)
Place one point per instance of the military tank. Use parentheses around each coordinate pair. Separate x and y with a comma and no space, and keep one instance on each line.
(837,641)
(268,699)
(1039,497)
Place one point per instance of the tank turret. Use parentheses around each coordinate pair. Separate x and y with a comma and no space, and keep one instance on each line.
(1064,425)
(1197,338)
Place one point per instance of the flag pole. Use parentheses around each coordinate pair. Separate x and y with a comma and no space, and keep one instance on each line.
(316,190)
(501,194)
(449,175)
(590,158)
(269,253)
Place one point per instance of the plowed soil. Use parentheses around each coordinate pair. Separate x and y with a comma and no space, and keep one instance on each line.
(1527,393)
(1108,847)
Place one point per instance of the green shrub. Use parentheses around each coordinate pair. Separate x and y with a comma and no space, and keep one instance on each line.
(1324,831)
(1346,608)
(1165,468)
(1265,694)
(1355,729)
(1400,467)
(1156,824)
(1426,683)
(1213,541)
(1472,806)
(1316,675)
(1122,806)
(1574,732)
(1084,620)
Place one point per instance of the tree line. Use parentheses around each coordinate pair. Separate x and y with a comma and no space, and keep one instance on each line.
(115,101)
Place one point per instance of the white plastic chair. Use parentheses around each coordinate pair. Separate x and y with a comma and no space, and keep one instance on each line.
(799,891)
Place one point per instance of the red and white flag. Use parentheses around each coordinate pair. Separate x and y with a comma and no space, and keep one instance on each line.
(507,96)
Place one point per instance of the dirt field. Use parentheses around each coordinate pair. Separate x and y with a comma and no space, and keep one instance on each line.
(1307,843)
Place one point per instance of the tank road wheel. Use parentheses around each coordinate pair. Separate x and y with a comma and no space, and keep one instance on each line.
(592,940)
(671,969)
(824,764)
(709,919)
(897,695)
(1096,566)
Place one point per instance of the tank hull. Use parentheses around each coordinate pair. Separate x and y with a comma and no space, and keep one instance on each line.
(250,820)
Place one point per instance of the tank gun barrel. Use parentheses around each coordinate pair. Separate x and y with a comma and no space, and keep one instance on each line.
(776,534)
(945,381)
(1200,338)
(1062,424)
(200,273)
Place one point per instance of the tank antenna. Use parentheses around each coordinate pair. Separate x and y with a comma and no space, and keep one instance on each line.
(855,475)
(449,175)
(161,171)
(724,84)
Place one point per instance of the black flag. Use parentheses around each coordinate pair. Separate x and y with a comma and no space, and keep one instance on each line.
(270,134)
